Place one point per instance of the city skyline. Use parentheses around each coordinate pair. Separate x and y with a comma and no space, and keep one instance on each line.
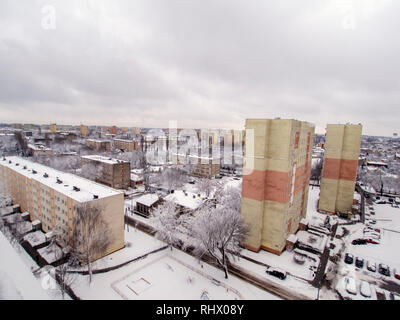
(145,63)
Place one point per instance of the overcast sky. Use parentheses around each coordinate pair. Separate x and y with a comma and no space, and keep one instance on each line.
(205,63)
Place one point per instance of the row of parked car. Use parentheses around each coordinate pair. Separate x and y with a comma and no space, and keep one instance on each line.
(371,266)
(351,287)
(371,235)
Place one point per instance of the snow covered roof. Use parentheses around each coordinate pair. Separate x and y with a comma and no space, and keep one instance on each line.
(51,253)
(35,238)
(87,188)
(36,222)
(148,199)
(190,200)
(97,140)
(103,159)
(38,147)
(123,140)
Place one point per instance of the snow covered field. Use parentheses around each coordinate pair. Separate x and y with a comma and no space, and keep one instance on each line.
(153,279)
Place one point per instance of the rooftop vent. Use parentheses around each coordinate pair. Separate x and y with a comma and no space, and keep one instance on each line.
(4,158)
(9,161)
(59,181)
(17,164)
(76,188)
(45,175)
(24,167)
(34,171)
(95,196)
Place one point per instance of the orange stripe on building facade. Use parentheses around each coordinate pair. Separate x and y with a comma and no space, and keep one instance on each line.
(344,169)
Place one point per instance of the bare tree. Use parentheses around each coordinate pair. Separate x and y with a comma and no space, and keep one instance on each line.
(316,170)
(218,232)
(207,186)
(91,171)
(167,223)
(91,235)
(139,160)
(173,178)
(64,278)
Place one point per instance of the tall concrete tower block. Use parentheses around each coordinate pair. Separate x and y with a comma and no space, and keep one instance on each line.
(342,149)
(276,175)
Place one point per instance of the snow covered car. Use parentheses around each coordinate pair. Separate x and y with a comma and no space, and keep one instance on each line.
(276,273)
(348,258)
(384,269)
(350,285)
(365,289)
(359,262)
(371,266)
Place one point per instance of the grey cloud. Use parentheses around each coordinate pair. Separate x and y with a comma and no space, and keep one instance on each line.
(203,63)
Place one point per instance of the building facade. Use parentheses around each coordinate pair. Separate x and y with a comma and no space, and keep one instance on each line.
(52,197)
(126,145)
(84,130)
(342,150)
(98,145)
(276,174)
(114,173)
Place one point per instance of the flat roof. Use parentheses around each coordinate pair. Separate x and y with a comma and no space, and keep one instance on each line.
(87,187)
(104,159)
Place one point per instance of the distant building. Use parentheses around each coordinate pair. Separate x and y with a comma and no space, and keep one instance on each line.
(98,145)
(342,151)
(378,164)
(276,175)
(113,130)
(84,130)
(115,173)
(53,128)
(126,145)
(205,167)
(52,197)
(40,150)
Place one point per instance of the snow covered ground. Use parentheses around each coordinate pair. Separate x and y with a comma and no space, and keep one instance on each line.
(16,279)
(151,277)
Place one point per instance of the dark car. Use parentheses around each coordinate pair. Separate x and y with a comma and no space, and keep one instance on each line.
(276,273)
(359,262)
(384,269)
(372,212)
(397,274)
(348,258)
(359,241)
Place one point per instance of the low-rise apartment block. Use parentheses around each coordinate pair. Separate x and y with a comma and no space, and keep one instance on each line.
(52,197)
(114,173)
(98,145)
(126,145)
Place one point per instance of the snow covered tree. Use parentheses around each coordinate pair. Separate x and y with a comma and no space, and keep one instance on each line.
(91,236)
(65,279)
(218,232)
(167,223)
(91,171)
(207,186)
(173,178)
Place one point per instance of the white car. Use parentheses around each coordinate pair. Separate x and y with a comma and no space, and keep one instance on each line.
(350,285)
(365,289)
